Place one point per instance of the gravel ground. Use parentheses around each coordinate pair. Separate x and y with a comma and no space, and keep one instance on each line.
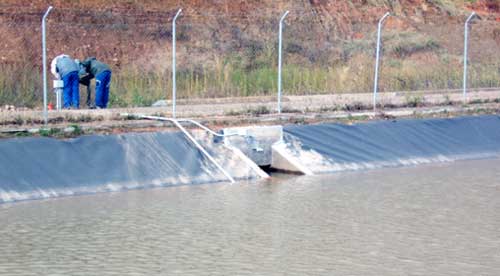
(251,110)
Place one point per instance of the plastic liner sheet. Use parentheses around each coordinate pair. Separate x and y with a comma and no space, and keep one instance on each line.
(336,147)
(32,168)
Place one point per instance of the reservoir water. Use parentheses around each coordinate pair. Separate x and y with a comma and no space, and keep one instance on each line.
(440,219)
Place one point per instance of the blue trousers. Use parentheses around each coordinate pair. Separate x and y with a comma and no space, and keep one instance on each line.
(102,83)
(71,90)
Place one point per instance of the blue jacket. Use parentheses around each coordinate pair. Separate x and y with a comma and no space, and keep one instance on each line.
(66,65)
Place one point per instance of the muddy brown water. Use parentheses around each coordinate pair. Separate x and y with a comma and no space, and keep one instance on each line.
(441,219)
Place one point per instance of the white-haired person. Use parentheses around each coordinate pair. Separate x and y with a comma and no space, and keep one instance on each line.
(63,67)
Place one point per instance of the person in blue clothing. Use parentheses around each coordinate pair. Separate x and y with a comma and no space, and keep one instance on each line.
(102,74)
(85,79)
(63,67)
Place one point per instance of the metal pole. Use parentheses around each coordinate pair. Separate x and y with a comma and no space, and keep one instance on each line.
(44,57)
(375,85)
(280,39)
(466,42)
(174,38)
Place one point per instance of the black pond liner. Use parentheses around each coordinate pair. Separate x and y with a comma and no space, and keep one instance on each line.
(400,141)
(32,168)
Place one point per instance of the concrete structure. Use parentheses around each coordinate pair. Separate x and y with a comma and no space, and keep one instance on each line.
(284,160)
(255,142)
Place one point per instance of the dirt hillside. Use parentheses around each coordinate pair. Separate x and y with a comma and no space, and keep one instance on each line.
(136,35)
(122,31)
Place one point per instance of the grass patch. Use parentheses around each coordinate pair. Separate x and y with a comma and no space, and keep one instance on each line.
(260,110)
(290,110)
(257,111)
(233,113)
(50,132)
(72,131)
(408,46)
(355,106)
(77,130)
(478,101)
(256,75)
(447,6)
(79,119)
(415,101)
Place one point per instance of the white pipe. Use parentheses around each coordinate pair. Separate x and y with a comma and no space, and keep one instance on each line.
(185,120)
(174,88)
(191,138)
(58,100)
(280,39)
(466,42)
(44,58)
(203,151)
(379,34)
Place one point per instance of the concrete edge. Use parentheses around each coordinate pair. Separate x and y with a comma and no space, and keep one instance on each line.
(284,161)
(247,160)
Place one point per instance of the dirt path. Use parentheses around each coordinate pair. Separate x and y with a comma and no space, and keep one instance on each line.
(251,110)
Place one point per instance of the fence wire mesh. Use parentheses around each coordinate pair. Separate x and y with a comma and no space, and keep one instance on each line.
(233,52)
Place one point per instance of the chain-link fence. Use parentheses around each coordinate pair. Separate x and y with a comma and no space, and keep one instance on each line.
(231,51)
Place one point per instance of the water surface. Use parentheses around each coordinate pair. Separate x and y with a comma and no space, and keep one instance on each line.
(430,220)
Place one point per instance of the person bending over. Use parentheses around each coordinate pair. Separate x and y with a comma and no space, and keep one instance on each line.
(102,74)
(85,79)
(65,68)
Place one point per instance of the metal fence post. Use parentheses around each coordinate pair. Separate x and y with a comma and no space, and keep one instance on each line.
(466,42)
(375,85)
(280,39)
(44,58)
(174,88)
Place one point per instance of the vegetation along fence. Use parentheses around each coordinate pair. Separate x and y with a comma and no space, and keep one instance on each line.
(231,54)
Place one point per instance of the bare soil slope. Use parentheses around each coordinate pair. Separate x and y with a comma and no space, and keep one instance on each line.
(135,36)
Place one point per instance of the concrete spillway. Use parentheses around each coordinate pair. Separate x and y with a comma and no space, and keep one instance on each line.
(326,148)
